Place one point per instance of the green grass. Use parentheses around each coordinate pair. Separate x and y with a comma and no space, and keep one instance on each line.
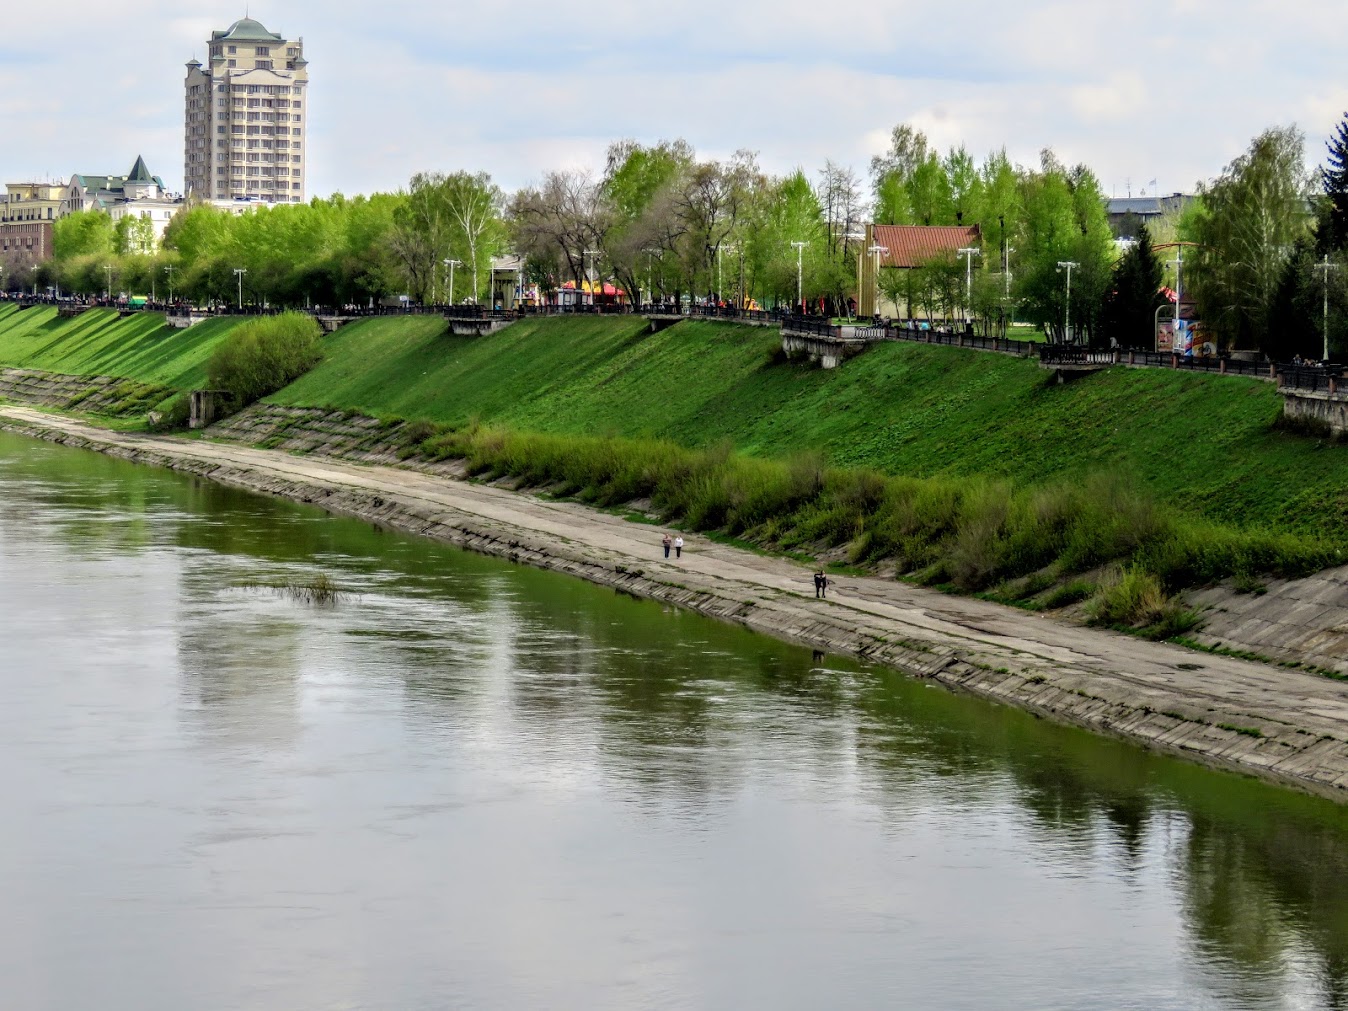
(1204,446)
(99,343)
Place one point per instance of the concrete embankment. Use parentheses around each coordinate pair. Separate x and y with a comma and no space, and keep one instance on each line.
(1284,725)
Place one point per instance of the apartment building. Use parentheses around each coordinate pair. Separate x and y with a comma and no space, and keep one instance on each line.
(245,117)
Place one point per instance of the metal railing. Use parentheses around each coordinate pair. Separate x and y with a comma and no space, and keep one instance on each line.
(1312,378)
(813,326)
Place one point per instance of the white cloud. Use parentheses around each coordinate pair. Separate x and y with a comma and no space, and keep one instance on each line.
(1167,89)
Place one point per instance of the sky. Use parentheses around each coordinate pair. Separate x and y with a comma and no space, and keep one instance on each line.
(1166,91)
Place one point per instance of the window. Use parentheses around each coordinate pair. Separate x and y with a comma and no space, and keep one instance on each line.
(263,51)
(290,64)
(254,117)
(294,119)
(255,103)
(295,132)
(253,130)
(295,186)
(295,159)
(296,90)
(232,63)
(233,50)
(292,51)
(294,105)
(219,129)
(262,64)
(236,130)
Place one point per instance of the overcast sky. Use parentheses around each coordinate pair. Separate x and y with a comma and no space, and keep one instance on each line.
(1140,91)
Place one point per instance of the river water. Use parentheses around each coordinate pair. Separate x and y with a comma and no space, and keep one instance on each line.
(466,784)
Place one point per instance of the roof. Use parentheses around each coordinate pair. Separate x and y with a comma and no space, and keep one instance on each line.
(914,245)
(588,287)
(247,30)
(139,173)
(1146,206)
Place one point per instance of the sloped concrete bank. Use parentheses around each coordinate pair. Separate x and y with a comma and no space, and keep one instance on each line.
(93,394)
(1287,726)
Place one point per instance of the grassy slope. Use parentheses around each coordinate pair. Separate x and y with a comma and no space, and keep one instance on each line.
(1202,443)
(99,343)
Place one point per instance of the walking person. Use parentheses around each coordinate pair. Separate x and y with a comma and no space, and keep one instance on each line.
(820,585)
(678,547)
(667,542)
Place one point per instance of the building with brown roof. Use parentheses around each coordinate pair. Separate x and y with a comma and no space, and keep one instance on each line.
(907,247)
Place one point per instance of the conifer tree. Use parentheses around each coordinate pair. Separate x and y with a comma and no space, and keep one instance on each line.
(1128,313)
(1335,178)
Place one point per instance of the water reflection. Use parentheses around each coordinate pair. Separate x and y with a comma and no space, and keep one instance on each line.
(469,783)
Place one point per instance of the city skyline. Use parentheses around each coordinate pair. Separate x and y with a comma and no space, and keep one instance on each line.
(1168,93)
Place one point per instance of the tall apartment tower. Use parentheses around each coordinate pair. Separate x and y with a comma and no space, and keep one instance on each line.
(245,117)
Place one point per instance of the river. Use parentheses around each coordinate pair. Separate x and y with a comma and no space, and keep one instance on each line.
(467,784)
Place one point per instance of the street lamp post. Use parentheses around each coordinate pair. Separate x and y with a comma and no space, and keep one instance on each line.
(969,252)
(1326,266)
(856,237)
(107,269)
(1068,266)
(720,291)
(592,253)
(239,272)
(800,275)
(651,254)
(876,251)
(169,271)
(451,264)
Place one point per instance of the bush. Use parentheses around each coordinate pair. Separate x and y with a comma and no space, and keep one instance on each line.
(1136,599)
(263,355)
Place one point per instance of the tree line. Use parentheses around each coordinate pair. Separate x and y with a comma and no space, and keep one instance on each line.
(1263,244)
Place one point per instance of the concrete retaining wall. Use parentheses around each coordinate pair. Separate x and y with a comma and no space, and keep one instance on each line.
(1318,407)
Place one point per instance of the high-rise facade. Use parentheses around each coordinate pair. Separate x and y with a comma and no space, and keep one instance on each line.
(246,115)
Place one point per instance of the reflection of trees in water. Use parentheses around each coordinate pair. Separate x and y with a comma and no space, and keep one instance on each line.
(1274,890)
(1263,870)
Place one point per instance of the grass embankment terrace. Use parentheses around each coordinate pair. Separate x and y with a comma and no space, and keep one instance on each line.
(1202,446)
(956,466)
(139,347)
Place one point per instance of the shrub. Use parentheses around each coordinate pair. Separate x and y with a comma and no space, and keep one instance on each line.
(263,355)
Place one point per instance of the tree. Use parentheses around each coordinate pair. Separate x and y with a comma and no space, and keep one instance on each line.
(1256,211)
(553,224)
(1128,313)
(1334,177)
(83,233)
(1064,221)
(474,204)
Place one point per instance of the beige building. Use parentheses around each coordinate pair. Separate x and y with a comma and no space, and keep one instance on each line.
(34,202)
(245,117)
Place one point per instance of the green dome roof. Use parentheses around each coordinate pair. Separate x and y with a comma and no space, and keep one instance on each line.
(248,30)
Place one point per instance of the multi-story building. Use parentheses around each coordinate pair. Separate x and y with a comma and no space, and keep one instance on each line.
(137,194)
(26,217)
(245,117)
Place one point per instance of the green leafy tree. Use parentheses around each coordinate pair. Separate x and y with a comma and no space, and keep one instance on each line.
(1255,213)
(83,233)
(1064,221)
